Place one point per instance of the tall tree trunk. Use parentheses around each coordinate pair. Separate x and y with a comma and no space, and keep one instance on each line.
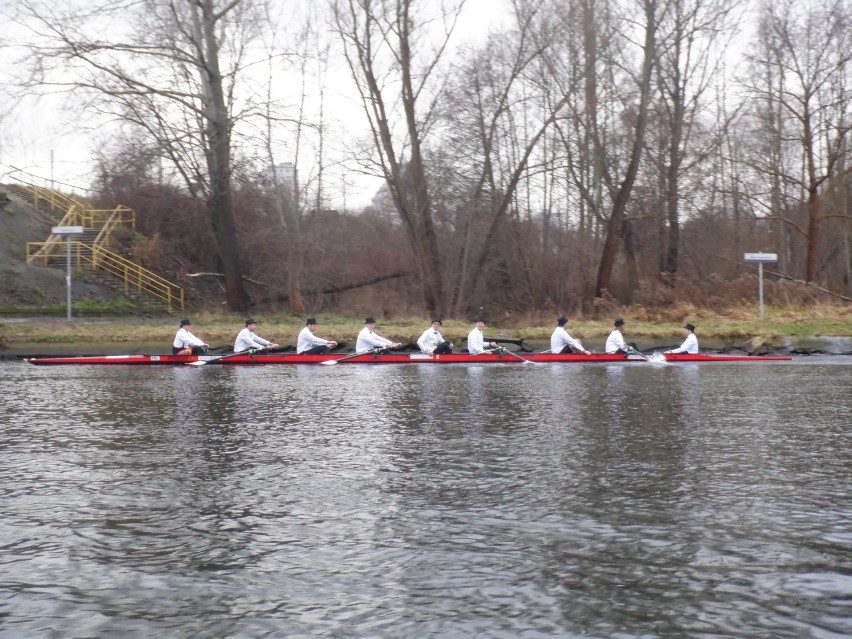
(218,134)
(295,268)
(813,204)
(673,219)
(370,30)
(631,259)
(814,224)
(622,196)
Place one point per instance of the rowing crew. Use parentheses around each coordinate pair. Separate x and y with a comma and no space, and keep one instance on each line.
(430,342)
(615,342)
(369,340)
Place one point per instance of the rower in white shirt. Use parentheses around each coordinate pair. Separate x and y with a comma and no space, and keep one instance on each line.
(431,342)
(186,343)
(310,344)
(248,340)
(615,342)
(369,340)
(476,341)
(690,342)
(561,342)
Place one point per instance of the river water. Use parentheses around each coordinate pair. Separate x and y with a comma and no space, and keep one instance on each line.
(626,500)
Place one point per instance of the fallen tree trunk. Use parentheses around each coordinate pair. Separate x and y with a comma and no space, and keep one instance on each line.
(326,291)
(345,287)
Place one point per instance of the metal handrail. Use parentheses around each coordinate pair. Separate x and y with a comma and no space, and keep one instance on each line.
(115,218)
(72,217)
(75,213)
(53,199)
(132,275)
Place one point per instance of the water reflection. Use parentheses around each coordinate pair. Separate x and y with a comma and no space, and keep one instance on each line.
(427,501)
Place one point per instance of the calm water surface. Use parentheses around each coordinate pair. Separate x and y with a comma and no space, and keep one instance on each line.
(625,500)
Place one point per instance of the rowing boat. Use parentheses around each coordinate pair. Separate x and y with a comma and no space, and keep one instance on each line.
(365,358)
(383,358)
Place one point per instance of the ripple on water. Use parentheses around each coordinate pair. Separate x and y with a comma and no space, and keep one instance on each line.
(430,501)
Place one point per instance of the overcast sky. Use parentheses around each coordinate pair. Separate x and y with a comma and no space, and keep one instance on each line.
(46,137)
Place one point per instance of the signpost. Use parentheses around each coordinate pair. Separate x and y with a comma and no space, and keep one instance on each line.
(68,232)
(760,259)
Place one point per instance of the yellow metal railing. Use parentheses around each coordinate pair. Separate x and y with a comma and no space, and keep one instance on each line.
(95,255)
(113,217)
(54,200)
(71,218)
(133,276)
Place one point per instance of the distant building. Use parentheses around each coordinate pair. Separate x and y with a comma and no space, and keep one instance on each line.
(284,174)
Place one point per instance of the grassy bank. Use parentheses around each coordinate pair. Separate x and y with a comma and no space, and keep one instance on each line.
(220,329)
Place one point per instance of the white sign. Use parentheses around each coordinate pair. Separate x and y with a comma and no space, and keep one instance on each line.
(67,230)
(761,257)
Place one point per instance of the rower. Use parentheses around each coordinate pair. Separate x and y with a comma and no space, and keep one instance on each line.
(186,343)
(476,341)
(310,344)
(248,340)
(615,342)
(561,342)
(690,342)
(370,340)
(431,342)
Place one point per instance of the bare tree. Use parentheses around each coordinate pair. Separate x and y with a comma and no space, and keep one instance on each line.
(164,75)
(504,103)
(638,115)
(393,64)
(608,54)
(482,120)
(689,60)
(290,197)
(800,80)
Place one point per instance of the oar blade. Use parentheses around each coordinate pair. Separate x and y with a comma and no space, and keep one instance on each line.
(523,359)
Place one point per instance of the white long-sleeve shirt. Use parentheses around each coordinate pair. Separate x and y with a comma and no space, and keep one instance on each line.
(185,339)
(246,340)
(368,340)
(560,339)
(429,340)
(307,340)
(615,342)
(475,342)
(690,345)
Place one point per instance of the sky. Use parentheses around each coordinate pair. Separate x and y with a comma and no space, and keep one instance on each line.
(45,137)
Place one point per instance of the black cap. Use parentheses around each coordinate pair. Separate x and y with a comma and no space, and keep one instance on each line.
(619,322)
(310,320)
(690,327)
(480,318)
(437,319)
(562,321)
(250,321)
(185,322)
(369,320)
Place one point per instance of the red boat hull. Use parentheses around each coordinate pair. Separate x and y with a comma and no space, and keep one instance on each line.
(387,358)
(366,358)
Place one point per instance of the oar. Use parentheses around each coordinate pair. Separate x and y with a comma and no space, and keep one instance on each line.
(632,351)
(508,352)
(202,362)
(332,362)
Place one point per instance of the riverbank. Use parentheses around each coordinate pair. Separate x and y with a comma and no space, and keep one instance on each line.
(806,329)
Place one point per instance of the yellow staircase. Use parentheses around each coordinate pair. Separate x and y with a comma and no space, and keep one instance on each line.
(89,251)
